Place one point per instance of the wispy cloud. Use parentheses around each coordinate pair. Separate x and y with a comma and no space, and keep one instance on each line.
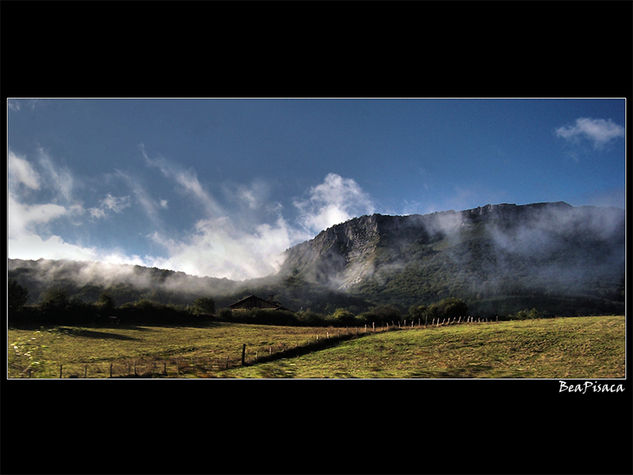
(40,194)
(599,132)
(245,237)
(334,201)
(59,177)
(187,180)
(28,236)
(147,203)
(26,209)
(21,172)
(220,248)
(236,248)
(114,204)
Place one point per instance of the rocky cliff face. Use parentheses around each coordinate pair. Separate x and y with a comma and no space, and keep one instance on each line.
(477,253)
(499,258)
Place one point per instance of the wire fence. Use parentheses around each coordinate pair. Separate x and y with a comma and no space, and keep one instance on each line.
(244,355)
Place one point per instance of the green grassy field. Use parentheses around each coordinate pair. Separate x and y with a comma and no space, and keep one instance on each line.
(579,347)
(199,351)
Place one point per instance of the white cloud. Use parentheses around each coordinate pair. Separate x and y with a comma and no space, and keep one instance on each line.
(116,204)
(22,217)
(59,178)
(25,224)
(218,247)
(334,201)
(32,246)
(188,181)
(598,131)
(22,172)
(245,239)
(238,248)
(149,206)
(97,213)
(253,196)
(28,232)
(110,203)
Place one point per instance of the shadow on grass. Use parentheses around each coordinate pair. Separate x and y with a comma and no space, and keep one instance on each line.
(93,334)
(208,324)
(309,348)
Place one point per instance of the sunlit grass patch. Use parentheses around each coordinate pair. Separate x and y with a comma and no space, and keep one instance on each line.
(579,347)
(40,352)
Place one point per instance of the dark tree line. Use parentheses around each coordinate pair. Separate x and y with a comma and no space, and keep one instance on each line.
(56,307)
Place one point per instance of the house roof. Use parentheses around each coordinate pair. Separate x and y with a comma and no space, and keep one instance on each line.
(250,297)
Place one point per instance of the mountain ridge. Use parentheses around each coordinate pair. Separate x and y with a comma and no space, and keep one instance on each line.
(549,253)
(480,248)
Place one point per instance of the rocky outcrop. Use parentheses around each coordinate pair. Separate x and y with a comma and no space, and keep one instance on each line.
(481,251)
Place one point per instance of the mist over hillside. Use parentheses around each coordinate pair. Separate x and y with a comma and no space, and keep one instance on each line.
(499,258)
(543,254)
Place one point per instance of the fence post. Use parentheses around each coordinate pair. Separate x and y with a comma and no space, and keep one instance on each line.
(243,353)
(110,369)
(165,368)
(86,371)
(373,326)
(61,370)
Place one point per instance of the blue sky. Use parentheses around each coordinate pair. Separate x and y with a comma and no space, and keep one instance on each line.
(221,187)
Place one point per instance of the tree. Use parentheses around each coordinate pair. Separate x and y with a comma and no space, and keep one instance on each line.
(418,312)
(105,303)
(524,314)
(54,300)
(382,313)
(204,305)
(450,307)
(17,296)
(343,316)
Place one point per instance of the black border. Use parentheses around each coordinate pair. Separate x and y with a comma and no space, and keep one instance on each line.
(315,49)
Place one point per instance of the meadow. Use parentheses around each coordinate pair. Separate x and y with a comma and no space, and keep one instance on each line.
(578,347)
(153,350)
(575,347)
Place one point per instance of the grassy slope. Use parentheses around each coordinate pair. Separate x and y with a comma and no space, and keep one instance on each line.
(44,349)
(581,347)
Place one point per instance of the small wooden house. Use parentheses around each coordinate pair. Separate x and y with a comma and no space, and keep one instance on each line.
(252,301)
